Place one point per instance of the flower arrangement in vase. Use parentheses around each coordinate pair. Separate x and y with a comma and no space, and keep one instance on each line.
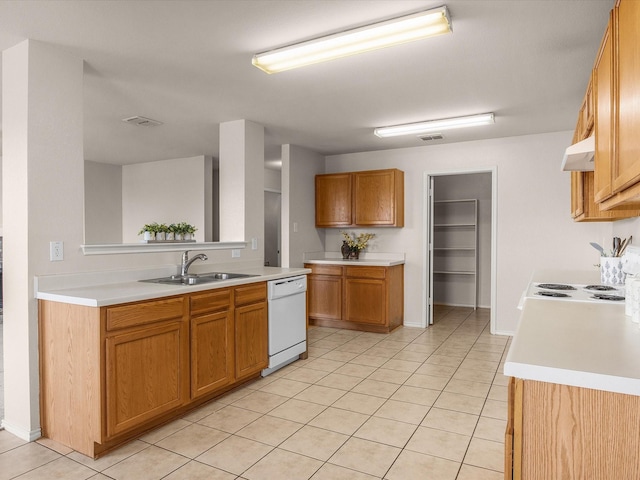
(355,244)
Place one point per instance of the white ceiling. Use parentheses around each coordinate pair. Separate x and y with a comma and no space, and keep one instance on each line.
(188,64)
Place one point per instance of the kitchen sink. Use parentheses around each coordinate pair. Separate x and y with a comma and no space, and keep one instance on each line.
(198,279)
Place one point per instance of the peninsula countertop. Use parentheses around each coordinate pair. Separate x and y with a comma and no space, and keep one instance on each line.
(119,288)
(581,344)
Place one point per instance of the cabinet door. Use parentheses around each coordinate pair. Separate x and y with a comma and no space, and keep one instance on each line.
(626,165)
(379,198)
(324,297)
(365,301)
(333,200)
(147,374)
(577,194)
(251,339)
(211,352)
(603,80)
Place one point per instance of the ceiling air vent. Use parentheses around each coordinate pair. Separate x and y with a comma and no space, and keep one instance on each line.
(142,121)
(430,137)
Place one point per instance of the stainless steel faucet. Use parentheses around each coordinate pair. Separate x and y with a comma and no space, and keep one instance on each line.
(186,262)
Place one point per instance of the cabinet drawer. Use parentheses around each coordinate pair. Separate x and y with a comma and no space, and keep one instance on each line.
(210,302)
(142,313)
(325,269)
(255,292)
(367,272)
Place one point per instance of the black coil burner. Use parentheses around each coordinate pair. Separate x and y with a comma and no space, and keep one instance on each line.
(611,298)
(552,294)
(600,288)
(556,286)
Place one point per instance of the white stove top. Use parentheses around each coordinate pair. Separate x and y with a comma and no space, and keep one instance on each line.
(576,292)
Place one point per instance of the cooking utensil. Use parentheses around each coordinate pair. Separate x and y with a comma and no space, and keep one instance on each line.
(616,246)
(597,247)
(626,242)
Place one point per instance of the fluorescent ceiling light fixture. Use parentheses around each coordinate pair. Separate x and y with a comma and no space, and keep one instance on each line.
(399,30)
(435,125)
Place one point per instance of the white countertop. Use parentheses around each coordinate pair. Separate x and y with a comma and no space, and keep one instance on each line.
(366,259)
(582,344)
(129,289)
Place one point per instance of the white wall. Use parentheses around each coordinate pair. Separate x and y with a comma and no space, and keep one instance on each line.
(623,229)
(272,180)
(167,191)
(102,203)
(299,234)
(535,230)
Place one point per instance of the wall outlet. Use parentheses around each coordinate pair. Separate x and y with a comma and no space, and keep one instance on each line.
(56,251)
(254,244)
(235,253)
(295,227)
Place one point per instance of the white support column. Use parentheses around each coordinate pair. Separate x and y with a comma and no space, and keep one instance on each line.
(43,197)
(242,184)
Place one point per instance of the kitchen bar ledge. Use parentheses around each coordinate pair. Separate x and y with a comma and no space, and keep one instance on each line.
(580,344)
(367,259)
(99,289)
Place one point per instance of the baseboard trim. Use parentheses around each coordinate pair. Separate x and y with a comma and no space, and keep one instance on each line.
(21,433)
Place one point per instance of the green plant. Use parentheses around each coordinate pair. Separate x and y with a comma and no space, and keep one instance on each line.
(151,228)
(358,242)
(184,227)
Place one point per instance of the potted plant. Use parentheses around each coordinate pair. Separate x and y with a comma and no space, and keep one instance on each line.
(161,234)
(149,231)
(356,243)
(184,231)
(171,232)
(189,231)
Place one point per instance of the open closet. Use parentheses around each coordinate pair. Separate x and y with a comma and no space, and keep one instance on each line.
(460,240)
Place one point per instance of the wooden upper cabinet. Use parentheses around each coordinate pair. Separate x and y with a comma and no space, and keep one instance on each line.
(624,171)
(593,194)
(333,200)
(627,49)
(373,198)
(379,198)
(603,79)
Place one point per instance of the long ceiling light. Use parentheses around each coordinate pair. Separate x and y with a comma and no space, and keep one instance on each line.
(371,37)
(435,125)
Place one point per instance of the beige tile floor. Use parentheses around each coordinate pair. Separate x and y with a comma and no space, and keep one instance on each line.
(413,404)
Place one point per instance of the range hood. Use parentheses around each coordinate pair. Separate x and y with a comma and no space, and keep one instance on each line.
(579,156)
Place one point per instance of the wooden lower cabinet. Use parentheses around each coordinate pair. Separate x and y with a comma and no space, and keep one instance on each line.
(212,352)
(324,292)
(251,330)
(563,432)
(251,339)
(368,298)
(109,374)
(146,374)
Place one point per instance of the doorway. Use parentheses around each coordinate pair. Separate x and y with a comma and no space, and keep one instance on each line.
(460,241)
(272,228)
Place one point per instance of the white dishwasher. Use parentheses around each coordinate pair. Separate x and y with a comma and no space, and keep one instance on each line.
(287,299)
